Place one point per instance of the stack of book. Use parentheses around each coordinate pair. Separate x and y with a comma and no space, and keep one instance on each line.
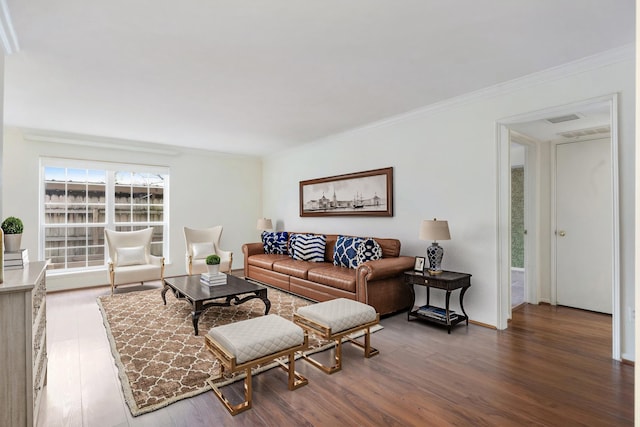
(437,313)
(16,260)
(213,279)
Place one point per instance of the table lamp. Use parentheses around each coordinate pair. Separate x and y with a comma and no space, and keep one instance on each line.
(264,224)
(434,230)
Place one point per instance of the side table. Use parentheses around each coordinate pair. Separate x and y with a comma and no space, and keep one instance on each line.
(447,281)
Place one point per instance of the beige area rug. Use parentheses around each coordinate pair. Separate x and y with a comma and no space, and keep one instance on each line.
(159,359)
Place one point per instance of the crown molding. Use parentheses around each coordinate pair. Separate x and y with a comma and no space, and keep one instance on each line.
(603,59)
(8,36)
(95,141)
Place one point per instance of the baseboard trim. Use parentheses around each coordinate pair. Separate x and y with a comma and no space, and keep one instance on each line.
(627,362)
(484,325)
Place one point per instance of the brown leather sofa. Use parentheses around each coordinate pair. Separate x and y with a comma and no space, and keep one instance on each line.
(378,283)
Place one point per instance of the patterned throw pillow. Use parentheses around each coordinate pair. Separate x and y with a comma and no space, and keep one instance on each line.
(309,247)
(346,251)
(275,242)
(292,242)
(369,250)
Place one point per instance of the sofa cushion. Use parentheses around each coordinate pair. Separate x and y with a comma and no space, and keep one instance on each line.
(275,242)
(334,276)
(368,250)
(346,251)
(294,267)
(265,260)
(308,247)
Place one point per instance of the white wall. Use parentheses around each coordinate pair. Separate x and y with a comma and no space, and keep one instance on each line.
(206,189)
(445,166)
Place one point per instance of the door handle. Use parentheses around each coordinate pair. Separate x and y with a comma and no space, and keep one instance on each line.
(562,233)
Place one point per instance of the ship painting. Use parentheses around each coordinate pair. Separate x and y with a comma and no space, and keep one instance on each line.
(365,194)
(357,202)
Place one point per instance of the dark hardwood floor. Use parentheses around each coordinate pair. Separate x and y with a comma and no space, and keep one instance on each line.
(552,367)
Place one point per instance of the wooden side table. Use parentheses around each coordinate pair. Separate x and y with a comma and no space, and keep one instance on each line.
(448,281)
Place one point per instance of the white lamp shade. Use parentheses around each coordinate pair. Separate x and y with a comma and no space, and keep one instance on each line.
(434,230)
(264,224)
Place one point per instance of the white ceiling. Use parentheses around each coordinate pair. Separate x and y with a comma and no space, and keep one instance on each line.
(255,77)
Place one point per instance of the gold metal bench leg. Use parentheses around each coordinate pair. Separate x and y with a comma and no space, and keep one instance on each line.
(368,350)
(295,379)
(337,360)
(240,407)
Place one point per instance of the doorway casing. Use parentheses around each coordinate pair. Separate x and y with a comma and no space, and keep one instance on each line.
(504,214)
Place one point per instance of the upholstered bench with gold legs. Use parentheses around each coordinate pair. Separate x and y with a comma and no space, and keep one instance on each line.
(245,344)
(337,319)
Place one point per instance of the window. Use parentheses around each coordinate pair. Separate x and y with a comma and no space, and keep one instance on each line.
(80,202)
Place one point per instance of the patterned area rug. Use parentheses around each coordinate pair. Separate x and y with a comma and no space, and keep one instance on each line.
(159,359)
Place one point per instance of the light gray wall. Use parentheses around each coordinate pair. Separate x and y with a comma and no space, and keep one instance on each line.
(445,166)
(206,189)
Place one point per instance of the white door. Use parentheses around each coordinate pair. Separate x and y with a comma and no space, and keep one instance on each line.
(584,225)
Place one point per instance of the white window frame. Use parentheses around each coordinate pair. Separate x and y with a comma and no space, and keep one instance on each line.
(110,168)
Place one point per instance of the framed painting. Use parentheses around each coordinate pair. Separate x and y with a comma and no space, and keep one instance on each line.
(368,193)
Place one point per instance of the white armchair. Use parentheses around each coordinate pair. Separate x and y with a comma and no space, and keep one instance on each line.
(202,243)
(130,259)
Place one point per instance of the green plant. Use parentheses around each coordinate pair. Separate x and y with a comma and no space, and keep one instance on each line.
(213,260)
(12,225)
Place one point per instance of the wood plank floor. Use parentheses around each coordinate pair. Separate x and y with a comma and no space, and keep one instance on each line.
(552,367)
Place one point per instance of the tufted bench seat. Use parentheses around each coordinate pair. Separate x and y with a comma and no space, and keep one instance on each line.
(245,344)
(334,320)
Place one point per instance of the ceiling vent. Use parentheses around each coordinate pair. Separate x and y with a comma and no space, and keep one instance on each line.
(560,119)
(600,130)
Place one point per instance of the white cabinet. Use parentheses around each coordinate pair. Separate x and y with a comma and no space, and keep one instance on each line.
(23,344)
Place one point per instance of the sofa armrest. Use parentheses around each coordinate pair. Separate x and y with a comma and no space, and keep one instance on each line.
(249,249)
(385,268)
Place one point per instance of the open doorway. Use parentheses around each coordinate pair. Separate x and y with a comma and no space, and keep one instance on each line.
(518,230)
(548,130)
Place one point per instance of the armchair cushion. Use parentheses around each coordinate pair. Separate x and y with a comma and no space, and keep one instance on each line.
(202,250)
(130,256)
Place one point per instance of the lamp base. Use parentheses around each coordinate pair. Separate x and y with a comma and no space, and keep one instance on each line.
(434,255)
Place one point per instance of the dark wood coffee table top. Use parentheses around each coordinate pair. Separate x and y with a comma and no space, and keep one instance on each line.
(201,296)
(192,287)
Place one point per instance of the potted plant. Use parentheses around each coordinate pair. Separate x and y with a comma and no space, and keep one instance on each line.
(213,264)
(12,228)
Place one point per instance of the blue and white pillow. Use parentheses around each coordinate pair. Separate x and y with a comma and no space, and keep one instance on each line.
(292,242)
(309,247)
(369,250)
(346,251)
(275,242)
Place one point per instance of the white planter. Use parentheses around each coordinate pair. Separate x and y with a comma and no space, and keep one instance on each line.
(12,242)
(213,269)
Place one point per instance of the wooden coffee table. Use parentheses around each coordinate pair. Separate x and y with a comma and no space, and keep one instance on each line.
(201,296)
